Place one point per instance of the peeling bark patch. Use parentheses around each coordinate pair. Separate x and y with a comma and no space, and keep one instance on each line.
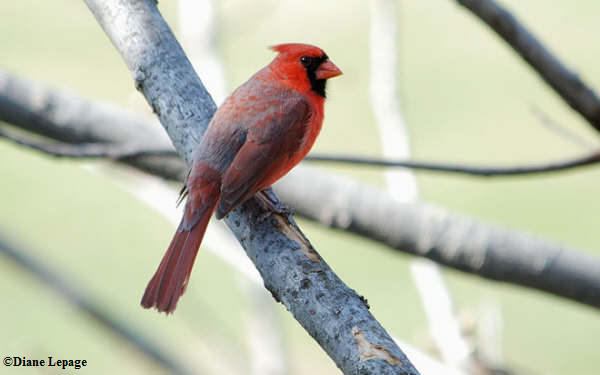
(292,232)
(367,351)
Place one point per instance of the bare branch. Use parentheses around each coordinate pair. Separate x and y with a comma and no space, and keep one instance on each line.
(456,241)
(292,270)
(564,81)
(328,208)
(66,117)
(384,98)
(78,298)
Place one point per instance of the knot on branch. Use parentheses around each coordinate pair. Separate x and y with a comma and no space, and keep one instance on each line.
(139,77)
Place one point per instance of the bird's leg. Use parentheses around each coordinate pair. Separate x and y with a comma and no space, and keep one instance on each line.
(272,203)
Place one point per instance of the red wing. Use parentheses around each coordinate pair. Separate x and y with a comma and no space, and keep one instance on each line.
(263,157)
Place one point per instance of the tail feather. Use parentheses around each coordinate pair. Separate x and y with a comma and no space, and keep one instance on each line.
(175,285)
(171,278)
(165,270)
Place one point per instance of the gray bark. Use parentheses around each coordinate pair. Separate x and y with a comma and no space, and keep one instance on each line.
(513,249)
(456,241)
(64,116)
(291,269)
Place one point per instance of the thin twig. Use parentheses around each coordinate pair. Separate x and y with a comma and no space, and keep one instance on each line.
(463,169)
(561,130)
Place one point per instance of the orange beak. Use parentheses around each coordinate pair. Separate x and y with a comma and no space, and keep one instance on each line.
(327,70)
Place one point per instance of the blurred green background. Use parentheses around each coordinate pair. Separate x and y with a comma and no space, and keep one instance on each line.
(466,97)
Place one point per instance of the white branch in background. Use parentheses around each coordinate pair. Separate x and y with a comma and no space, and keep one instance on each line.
(198,28)
(402,184)
(161,197)
(267,354)
(489,335)
(445,328)
(427,364)
(384,98)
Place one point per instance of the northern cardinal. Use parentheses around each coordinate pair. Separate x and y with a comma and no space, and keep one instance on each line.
(260,132)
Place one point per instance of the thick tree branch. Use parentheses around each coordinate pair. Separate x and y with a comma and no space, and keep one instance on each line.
(66,117)
(292,270)
(328,208)
(564,81)
(449,239)
(78,298)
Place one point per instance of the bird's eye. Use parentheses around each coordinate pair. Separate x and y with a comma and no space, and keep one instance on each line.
(306,61)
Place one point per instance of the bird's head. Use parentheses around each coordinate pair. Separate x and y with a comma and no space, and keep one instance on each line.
(306,67)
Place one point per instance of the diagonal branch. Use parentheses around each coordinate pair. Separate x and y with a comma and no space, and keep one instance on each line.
(564,81)
(328,208)
(292,270)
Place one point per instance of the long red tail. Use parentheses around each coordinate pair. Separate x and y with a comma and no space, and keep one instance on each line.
(171,277)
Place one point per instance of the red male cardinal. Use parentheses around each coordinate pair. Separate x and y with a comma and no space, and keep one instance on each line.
(259,133)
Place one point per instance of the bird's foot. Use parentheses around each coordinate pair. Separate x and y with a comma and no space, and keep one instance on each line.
(273,204)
